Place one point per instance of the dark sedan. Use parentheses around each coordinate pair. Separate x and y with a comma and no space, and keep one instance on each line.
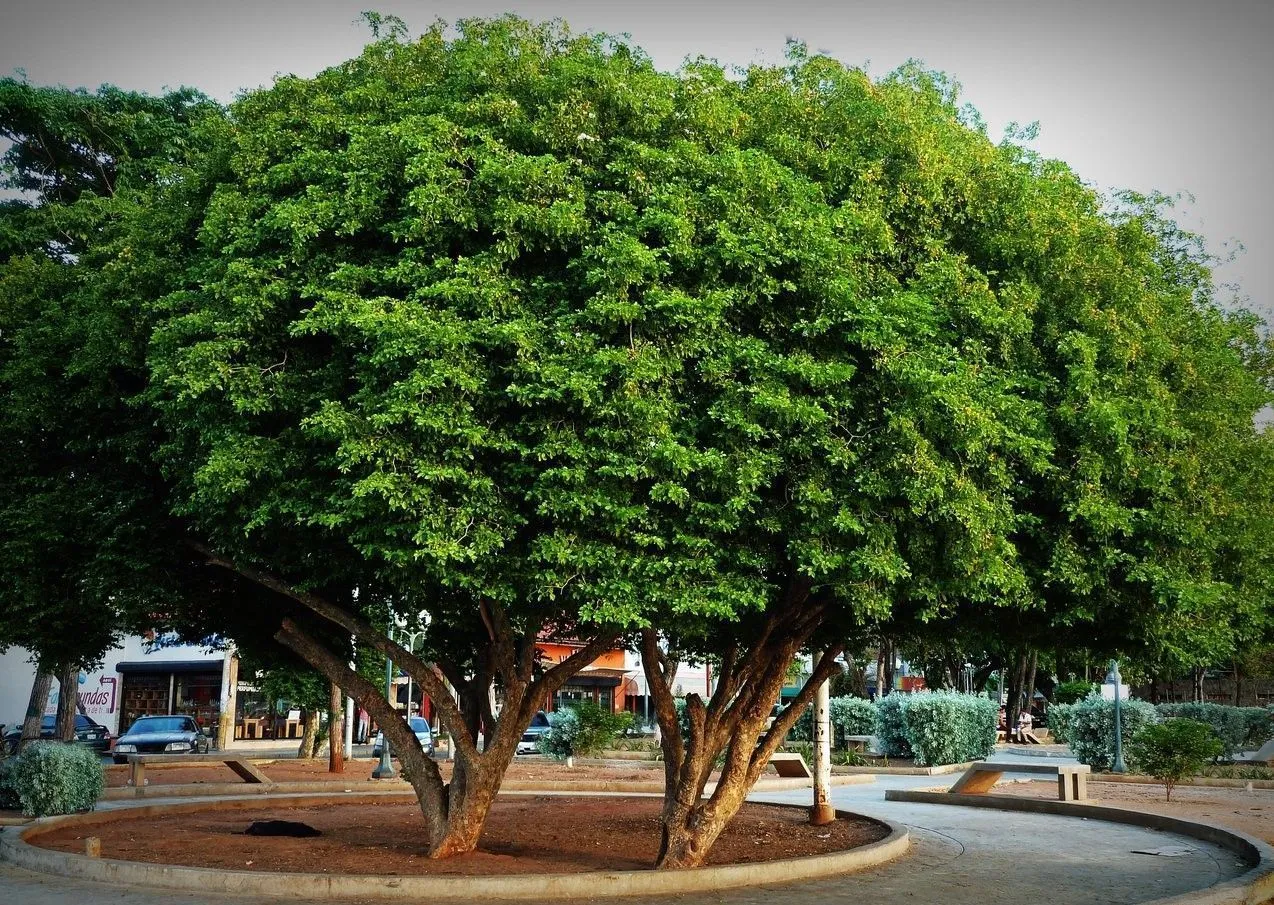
(160,735)
(87,733)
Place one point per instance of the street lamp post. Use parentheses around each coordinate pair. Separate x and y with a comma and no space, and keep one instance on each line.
(1113,678)
(385,769)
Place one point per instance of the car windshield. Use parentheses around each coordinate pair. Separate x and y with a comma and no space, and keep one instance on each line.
(163,724)
(419,724)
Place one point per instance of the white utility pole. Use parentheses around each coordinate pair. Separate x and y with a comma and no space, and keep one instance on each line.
(822,812)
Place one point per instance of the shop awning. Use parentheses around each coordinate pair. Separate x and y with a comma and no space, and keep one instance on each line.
(164,667)
(600,677)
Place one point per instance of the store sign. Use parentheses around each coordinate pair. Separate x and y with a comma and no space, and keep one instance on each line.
(99,701)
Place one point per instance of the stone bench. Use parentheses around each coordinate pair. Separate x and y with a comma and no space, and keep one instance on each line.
(1072,779)
(236,762)
(790,765)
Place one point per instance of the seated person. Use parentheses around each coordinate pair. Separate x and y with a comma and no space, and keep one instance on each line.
(1025,723)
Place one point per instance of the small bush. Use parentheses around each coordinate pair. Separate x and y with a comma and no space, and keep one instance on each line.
(946,727)
(1071,692)
(1059,717)
(1090,729)
(1174,750)
(848,716)
(55,778)
(890,727)
(9,800)
(852,716)
(582,730)
(1239,728)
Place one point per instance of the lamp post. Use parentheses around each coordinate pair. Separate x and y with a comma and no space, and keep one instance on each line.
(385,769)
(1112,678)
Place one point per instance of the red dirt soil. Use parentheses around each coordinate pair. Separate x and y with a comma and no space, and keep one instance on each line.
(524,834)
(315,770)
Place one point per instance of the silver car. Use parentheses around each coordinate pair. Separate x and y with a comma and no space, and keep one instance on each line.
(424,735)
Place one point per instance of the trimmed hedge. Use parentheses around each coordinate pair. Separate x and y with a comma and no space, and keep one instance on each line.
(946,727)
(1237,727)
(891,726)
(53,778)
(936,727)
(1090,730)
(849,716)
(1059,717)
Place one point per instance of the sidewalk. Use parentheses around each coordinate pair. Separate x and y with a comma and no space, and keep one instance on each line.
(960,856)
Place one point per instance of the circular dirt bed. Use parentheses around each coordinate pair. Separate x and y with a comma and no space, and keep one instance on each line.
(524,834)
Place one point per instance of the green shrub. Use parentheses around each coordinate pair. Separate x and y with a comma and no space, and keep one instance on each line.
(946,727)
(55,778)
(851,716)
(1090,728)
(890,727)
(1260,726)
(582,730)
(9,800)
(1070,692)
(1059,717)
(1236,727)
(848,715)
(1174,750)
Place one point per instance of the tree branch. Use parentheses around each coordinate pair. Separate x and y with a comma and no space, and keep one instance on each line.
(356,625)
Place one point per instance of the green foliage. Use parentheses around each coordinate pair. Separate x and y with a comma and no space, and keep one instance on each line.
(890,727)
(946,727)
(851,716)
(1091,728)
(848,716)
(53,778)
(1059,719)
(1237,727)
(1174,750)
(9,800)
(1070,692)
(582,730)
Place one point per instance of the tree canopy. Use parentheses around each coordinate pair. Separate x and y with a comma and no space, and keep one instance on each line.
(507,334)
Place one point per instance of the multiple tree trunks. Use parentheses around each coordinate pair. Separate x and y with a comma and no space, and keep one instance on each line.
(454,812)
(732,724)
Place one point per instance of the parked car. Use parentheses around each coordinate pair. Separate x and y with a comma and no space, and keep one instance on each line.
(87,733)
(424,735)
(529,743)
(160,735)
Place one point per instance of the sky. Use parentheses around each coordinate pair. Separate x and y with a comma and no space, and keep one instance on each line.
(1163,95)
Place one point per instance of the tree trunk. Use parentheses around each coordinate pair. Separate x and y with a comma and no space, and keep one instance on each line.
(1029,687)
(35,708)
(68,694)
(890,658)
(309,733)
(1154,689)
(881,690)
(733,723)
(335,725)
(1196,693)
(1238,685)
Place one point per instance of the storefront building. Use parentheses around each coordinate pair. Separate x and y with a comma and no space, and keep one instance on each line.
(144,676)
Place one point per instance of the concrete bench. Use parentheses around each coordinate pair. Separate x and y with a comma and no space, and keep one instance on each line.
(236,762)
(1072,779)
(792,765)
(861,743)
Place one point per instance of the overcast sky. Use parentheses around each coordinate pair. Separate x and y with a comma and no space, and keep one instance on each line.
(1144,94)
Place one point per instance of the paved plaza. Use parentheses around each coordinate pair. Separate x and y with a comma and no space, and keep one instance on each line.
(960,856)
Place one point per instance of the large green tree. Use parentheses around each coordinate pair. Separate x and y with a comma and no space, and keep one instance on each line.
(509,336)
